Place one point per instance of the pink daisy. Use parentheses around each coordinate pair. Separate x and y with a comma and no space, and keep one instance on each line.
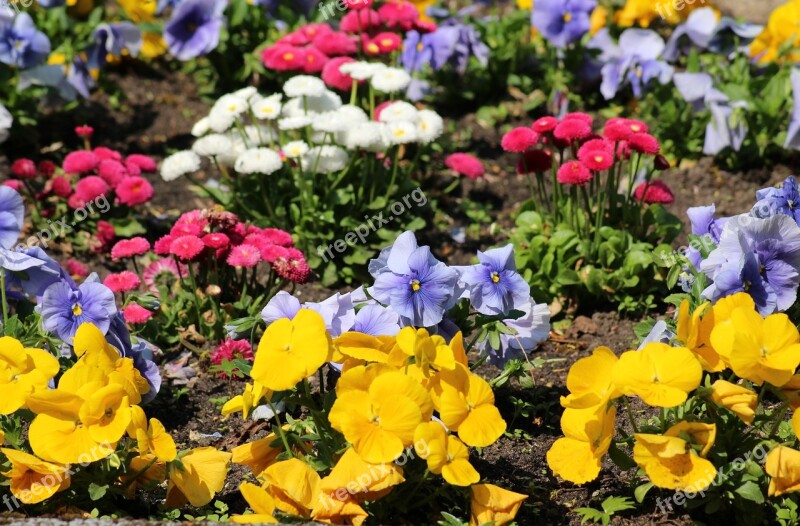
(216,240)
(465,164)
(76,269)
(186,247)
(24,169)
(134,191)
(572,129)
(244,255)
(128,248)
(271,253)
(135,313)
(162,272)
(334,78)
(112,172)
(597,160)
(60,186)
(278,236)
(124,281)
(643,143)
(144,162)
(80,162)
(519,140)
(585,117)
(534,161)
(294,267)
(190,223)
(84,131)
(162,244)
(656,192)
(574,172)
(360,21)
(230,350)
(90,188)
(107,153)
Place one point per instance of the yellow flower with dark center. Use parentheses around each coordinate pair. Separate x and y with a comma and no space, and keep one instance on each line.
(139,10)
(660,375)
(430,353)
(33,480)
(783,467)
(783,27)
(490,504)
(589,380)
(578,455)
(739,400)
(445,454)
(22,372)
(291,350)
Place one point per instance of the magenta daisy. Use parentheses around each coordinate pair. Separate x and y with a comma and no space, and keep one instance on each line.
(244,256)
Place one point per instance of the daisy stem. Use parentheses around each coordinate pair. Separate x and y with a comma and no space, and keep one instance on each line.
(193,283)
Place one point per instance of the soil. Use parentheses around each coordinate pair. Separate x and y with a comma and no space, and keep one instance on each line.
(155,119)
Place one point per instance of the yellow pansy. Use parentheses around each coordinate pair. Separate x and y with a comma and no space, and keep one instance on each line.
(143,471)
(247,401)
(791,390)
(353,478)
(33,480)
(381,420)
(357,348)
(339,511)
(260,502)
(671,462)
(197,478)
(658,374)
(740,400)
(722,340)
(430,353)
(153,45)
(139,10)
(156,440)
(782,27)
(702,436)
(445,454)
(589,380)
(257,455)
(22,372)
(578,455)
(525,4)
(694,332)
(759,349)
(644,12)
(783,467)
(466,405)
(490,504)
(291,350)
(293,486)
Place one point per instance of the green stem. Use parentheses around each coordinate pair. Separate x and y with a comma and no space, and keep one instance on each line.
(3,298)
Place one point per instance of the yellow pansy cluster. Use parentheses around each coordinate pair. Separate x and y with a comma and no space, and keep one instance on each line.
(645,12)
(91,411)
(729,339)
(386,401)
(783,29)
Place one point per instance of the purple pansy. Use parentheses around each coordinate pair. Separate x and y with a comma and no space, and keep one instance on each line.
(12,215)
(793,135)
(634,61)
(21,44)
(758,255)
(377,321)
(65,307)
(282,305)
(415,284)
(337,311)
(112,39)
(784,200)
(495,287)
(194,28)
(562,21)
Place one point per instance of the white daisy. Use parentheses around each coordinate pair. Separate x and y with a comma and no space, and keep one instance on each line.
(329,122)
(268,108)
(179,164)
(328,101)
(399,111)
(258,161)
(325,159)
(232,104)
(212,145)
(364,137)
(294,123)
(220,120)
(246,93)
(259,135)
(238,146)
(352,114)
(391,80)
(430,126)
(304,86)
(294,149)
(361,70)
(201,127)
(401,132)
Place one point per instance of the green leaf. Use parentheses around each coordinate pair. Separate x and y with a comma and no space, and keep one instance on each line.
(97,492)
(614,504)
(750,491)
(620,458)
(641,491)
(127,227)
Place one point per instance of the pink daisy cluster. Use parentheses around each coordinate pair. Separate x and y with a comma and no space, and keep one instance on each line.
(204,235)
(319,48)
(230,350)
(84,175)
(593,153)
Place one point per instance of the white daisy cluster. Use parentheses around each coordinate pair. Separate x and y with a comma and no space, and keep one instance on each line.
(307,126)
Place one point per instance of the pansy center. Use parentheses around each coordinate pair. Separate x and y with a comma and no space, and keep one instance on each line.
(567,17)
(77,310)
(415,285)
(495,277)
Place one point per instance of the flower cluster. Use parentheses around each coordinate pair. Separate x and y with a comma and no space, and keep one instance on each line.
(90,426)
(391,388)
(704,377)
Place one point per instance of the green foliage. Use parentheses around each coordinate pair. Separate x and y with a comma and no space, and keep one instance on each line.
(610,507)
